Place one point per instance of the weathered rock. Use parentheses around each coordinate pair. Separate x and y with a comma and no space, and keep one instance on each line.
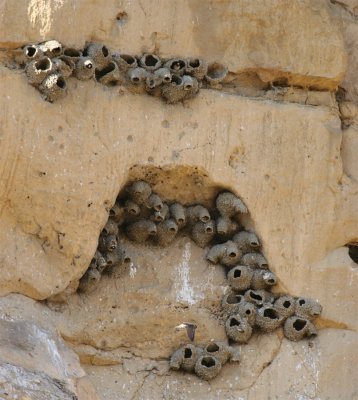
(35,363)
(338,294)
(349,152)
(232,384)
(351,6)
(345,16)
(34,348)
(18,382)
(64,144)
(308,369)
(161,289)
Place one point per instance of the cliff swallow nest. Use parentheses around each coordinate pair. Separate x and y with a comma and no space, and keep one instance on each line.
(248,306)
(49,65)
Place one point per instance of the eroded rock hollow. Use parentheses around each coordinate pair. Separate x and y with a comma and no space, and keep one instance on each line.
(145,218)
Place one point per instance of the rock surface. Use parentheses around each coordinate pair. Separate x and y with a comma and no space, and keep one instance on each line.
(345,13)
(283,153)
(349,146)
(36,364)
(289,152)
(19,383)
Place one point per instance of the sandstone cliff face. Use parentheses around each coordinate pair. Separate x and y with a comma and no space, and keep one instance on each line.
(274,134)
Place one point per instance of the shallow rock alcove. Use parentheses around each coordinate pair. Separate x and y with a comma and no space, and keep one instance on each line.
(134,228)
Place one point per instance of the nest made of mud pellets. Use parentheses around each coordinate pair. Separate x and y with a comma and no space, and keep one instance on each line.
(174,80)
(144,217)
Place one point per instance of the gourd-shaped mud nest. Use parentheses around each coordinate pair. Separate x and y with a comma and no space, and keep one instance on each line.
(249,305)
(49,65)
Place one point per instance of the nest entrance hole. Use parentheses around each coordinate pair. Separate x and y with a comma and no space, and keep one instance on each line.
(212,348)
(255,296)
(188,353)
(208,362)
(270,313)
(195,63)
(61,83)
(237,273)
(106,70)
(299,324)
(56,51)
(43,64)
(130,60)
(234,322)
(105,51)
(151,61)
(177,80)
(177,65)
(31,51)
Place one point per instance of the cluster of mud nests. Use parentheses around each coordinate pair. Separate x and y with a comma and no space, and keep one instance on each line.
(48,65)
(248,306)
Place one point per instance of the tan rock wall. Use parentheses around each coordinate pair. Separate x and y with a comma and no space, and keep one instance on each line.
(282,153)
(288,152)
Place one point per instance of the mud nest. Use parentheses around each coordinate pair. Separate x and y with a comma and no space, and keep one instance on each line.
(49,65)
(248,306)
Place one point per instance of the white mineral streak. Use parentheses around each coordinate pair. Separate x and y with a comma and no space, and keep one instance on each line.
(184,291)
(309,365)
(40,13)
(132,270)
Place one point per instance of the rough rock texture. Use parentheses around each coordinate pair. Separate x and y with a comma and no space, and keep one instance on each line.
(348,150)
(77,159)
(289,152)
(345,13)
(156,294)
(35,363)
(17,381)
